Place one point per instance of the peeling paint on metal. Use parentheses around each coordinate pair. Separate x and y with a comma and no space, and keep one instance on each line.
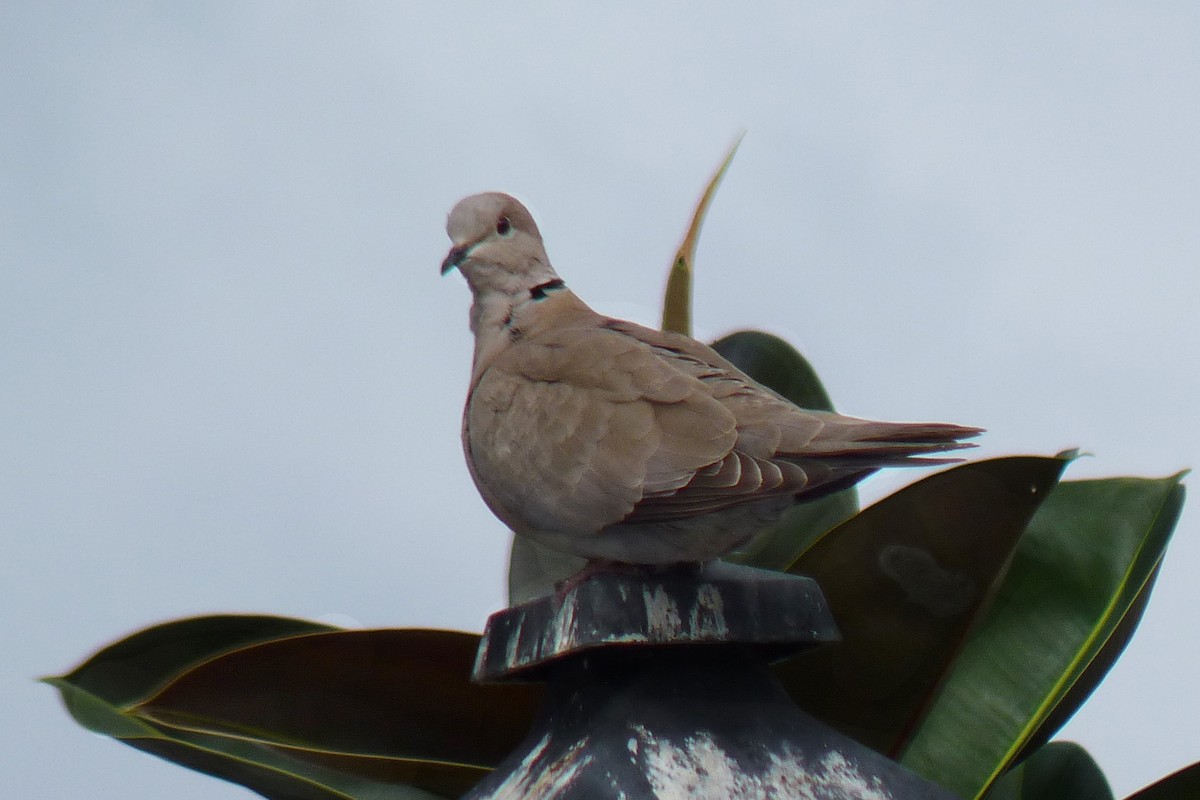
(672,609)
(662,614)
(563,629)
(708,615)
(543,781)
(839,777)
(699,769)
(626,638)
(512,650)
(480,657)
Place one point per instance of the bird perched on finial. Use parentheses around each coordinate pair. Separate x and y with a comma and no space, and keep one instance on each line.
(604,439)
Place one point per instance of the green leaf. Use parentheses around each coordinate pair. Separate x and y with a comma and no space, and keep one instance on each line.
(98,715)
(401,693)
(1085,562)
(1119,625)
(1094,671)
(777,365)
(1181,785)
(129,670)
(1058,771)
(907,580)
(677,302)
(328,714)
(267,770)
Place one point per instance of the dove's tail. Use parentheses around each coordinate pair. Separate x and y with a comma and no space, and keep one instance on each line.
(891,441)
(851,449)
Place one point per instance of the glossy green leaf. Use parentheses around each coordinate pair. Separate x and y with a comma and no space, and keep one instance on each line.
(1087,557)
(1181,785)
(1058,771)
(1093,671)
(267,769)
(100,715)
(677,302)
(1119,625)
(328,714)
(130,669)
(907,580)
(776,364)
(404,693)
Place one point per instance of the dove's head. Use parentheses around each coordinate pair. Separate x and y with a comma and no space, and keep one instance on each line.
(497,246)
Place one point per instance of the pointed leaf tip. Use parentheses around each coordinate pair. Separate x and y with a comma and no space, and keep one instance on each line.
(677,302)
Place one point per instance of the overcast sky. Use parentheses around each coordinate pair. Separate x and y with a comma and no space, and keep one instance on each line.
(232,377)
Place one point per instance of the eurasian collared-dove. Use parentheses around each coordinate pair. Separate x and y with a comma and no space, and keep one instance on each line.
(604,439)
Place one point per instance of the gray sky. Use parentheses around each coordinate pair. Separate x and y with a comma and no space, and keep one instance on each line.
(233,377)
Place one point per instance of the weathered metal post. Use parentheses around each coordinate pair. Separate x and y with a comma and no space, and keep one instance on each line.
(658,687)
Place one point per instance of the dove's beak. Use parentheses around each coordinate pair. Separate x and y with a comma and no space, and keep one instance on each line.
(455,257)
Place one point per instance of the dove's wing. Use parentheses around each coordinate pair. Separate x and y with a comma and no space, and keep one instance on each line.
(570,429)
(780,447)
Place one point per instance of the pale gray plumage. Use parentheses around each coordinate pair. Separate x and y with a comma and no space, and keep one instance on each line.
(608,440)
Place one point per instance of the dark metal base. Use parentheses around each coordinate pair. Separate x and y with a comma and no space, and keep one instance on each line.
(648,699)
(690,604)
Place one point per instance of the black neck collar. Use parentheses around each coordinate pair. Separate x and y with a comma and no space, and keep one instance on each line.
(539,292)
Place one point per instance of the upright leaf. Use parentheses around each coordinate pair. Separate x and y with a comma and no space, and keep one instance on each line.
(677,303)
(906,580)
(1086,559)
(1092,670)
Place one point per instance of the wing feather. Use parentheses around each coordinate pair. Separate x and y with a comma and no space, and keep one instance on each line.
(580,428)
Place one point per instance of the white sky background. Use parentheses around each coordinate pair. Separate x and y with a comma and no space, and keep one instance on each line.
(233,377)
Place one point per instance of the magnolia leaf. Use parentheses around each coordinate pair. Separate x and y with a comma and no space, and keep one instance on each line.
(906,580)
(1058,771)
(1181,785)
(1083,565)
(314,713)
(677,302)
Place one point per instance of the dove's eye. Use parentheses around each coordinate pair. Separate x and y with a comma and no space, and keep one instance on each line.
(503,226)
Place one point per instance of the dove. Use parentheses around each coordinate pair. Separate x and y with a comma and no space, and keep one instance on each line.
(623,444)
